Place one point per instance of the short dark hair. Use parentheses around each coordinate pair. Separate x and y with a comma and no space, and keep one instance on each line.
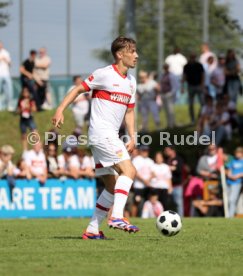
(120,43)
(76,77)
(33,52)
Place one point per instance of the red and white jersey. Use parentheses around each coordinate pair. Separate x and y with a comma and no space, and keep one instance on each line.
(112,94)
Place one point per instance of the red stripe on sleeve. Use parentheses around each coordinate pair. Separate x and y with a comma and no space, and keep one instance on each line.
(102,207)
(119,191)
(131,105)
(85,85)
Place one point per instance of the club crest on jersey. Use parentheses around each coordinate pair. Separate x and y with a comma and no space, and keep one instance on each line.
(120,98)
(91,77)
(119,153)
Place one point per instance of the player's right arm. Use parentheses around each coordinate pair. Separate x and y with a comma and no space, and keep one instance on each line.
(58,118)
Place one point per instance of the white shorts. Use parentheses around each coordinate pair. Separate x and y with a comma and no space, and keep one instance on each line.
(107,152)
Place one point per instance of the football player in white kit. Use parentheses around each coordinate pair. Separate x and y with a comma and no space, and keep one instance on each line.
(113,99)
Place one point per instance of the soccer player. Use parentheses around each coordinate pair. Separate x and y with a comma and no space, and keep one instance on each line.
(113,98)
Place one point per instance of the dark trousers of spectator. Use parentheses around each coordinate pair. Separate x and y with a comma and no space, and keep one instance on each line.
(164,197)
(30,84)
(41,93)
(192,92)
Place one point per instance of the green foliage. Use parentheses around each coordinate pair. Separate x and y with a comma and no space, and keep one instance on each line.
(204,247)
(183,28)
(4,17)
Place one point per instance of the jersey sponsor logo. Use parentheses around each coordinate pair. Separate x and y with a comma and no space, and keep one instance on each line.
(91,77)
(120,98)
(116,85)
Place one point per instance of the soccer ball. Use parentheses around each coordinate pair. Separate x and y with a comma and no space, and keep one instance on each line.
(169,223)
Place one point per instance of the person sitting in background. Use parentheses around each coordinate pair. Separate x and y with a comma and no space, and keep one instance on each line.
(26,107)
(234,180)
(231,108)
(168,86)
(51,161)
(147,90)
(6,166)
(68,162)
(36,162)
(161,179)
(213,207)
(27,77)
(86,164)
(143,165)
(80,107)
(22,170)
(207,166)
(152,208)
(205,114)
(219,122)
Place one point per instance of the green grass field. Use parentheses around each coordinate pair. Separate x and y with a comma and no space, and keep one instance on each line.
(54,247)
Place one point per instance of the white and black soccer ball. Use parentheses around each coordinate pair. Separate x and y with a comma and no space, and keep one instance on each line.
(169,223)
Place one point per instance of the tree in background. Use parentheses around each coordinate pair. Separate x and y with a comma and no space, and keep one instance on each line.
(4,17)
(183,28)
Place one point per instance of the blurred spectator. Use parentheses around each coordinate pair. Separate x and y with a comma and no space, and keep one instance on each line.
(68,162)
(169,86)
(51,161)
(205,114)
(41,76)
(27,78)
(5,78)
(86,164)
(144,166)
(176,62)
(152,208)
(26,107)
(218,77)
(147,90)
(80,107)
(205,54)
(207,166)
(52,137)
(194,75)
(36,162)
(232,70)
(161,179)
(207,80)
(176,165)
(231,108)
(6,166)
(219,122)
(22,170)
(234,180)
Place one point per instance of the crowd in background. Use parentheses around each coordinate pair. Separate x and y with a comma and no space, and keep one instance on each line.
(164,181)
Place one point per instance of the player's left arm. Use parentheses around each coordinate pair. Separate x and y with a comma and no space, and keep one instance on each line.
(130,125)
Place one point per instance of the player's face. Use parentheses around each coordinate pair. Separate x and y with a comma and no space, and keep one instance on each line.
(129,56)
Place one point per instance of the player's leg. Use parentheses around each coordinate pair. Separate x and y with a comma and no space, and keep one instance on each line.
(103,205)
(127,173)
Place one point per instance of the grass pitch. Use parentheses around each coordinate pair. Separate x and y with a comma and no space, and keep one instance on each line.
(54,247)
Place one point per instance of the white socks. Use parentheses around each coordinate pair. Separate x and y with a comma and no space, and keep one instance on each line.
(122,188)
(103,205)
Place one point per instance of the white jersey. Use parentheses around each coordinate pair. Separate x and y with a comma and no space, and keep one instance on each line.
(36,161)
(144,168)
(112,94)
(162,175)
